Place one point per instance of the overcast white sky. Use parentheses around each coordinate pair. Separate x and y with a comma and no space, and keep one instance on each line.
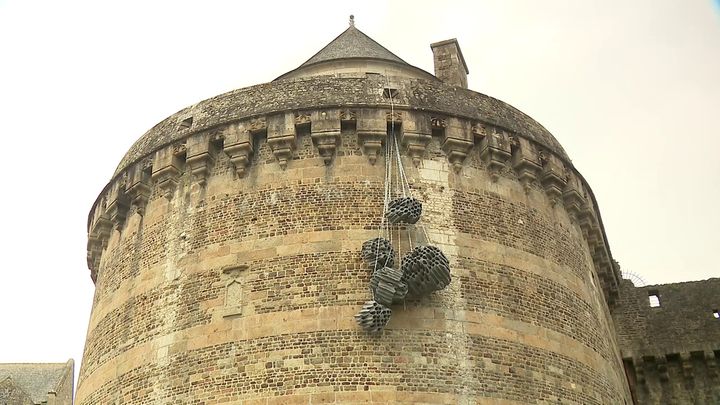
(630,88)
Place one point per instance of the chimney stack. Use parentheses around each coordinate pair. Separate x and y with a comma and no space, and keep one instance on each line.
(450,65)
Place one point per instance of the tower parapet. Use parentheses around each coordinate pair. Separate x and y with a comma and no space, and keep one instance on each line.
(522,150)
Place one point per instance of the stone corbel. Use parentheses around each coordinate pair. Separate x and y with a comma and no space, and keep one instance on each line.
(526,162)
(94,253)
(98,238)
(572,196)
(495,151)
(371,131)
(139,188)
(325,132)
(553,176)
(605,269)
(686,365)
(711,362)
(589,225)
(200,156)
(457,142)
(639,365)
(101,227)
(282,138)
(416,135)
(662,369)
(118,204)
(167,167)
(601,260)
(238,146)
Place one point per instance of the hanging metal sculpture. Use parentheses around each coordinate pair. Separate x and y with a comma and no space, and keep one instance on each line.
(404,210)
(387,286)
(373,316)
(423,270)
(378,252)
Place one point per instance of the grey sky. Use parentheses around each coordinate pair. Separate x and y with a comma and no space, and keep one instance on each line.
(630,89)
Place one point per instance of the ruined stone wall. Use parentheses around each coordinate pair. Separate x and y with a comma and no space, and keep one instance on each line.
(671,351)
(227,268)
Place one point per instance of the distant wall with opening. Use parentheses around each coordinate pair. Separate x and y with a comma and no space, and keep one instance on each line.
(667,317)
(669,335)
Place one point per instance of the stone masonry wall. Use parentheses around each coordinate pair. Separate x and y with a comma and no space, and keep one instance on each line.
(671,351)
(227,269)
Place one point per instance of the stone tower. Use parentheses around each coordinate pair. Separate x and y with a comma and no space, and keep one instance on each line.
(226,248)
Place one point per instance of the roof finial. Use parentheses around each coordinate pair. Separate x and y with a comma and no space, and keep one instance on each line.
(352,20)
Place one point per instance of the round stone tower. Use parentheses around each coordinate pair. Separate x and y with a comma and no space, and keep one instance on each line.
(226,248)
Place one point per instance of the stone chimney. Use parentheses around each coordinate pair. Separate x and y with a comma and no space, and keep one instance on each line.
(450,65)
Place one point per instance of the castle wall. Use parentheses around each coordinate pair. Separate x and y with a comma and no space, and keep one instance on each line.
(227,268)
(671,351)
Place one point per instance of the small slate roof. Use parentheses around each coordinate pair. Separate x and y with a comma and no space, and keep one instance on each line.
(36,379)
(352,43)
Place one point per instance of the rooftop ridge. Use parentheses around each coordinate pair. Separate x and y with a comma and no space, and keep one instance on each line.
(352,43)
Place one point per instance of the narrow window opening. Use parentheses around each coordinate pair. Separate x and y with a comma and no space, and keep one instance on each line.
(348,125)
(389,92)
(716,314)
(514,146)
(398,126)
(218,144)
(186,123)
(654,299)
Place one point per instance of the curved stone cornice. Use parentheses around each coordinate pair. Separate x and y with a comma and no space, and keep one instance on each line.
(329,91)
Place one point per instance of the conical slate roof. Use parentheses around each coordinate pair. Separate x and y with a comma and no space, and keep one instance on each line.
(352,43)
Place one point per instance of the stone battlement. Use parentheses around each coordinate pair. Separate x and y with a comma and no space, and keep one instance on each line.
(320,92)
